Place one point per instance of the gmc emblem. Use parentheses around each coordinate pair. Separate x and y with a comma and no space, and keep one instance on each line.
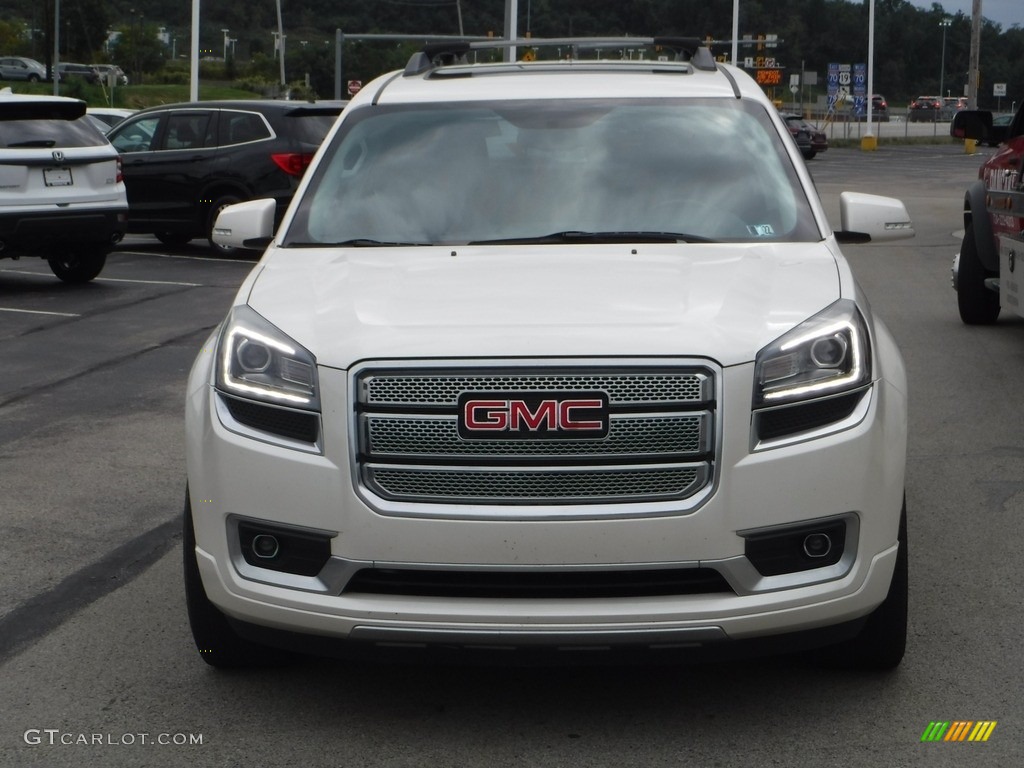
(517,416)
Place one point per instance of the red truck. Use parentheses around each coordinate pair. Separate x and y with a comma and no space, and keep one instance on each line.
(988,273)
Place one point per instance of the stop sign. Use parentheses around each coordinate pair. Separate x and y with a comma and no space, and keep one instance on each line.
(354,86)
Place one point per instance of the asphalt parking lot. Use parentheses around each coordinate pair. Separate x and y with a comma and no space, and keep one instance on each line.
(94,642)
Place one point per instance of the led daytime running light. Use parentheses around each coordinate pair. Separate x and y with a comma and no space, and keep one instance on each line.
(237,334)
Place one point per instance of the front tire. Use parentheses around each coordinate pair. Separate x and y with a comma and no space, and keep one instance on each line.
(882,642)
(173,239)
(218,205)
(978,305)
(218,644)
(78,265)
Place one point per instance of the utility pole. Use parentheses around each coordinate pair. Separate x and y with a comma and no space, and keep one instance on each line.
(280,38)
(56,47)
(193,79)
(511,27)
(972,72)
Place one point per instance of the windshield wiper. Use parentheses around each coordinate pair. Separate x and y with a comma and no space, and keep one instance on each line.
(578,236)
(358,242)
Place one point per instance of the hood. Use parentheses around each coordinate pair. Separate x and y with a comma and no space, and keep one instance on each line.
(723,302)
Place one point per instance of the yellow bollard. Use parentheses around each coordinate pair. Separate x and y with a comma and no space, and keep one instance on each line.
(869,142)
(970,145)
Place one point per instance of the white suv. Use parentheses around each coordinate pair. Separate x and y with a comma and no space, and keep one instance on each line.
(62,193)
(548,356)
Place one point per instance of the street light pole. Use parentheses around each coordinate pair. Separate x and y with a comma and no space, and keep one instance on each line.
(942,69)
(280,40)
(56,47)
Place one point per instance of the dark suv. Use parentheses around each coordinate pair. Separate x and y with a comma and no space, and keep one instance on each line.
(985,272)
(183,163)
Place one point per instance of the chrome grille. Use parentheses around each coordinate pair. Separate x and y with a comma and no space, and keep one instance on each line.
(654,434)
(533,485)
(659,445)
(398,388)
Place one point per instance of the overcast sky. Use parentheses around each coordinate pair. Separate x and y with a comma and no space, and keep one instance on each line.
(1004,12)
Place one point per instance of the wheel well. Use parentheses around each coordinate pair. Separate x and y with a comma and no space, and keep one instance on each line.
(211,196)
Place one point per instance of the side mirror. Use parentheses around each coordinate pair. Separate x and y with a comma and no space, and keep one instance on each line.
(872,218)
(976,124)
(246,225)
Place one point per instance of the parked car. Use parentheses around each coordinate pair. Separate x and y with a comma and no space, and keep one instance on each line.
(986,273)
(879,108)
(22,68)
(800,133)
(184,162)
(104,70)
(106,118)
(925,109)
(548,358)
(951,105)
(63,196)
(70,71)
(998,121)
(810,140)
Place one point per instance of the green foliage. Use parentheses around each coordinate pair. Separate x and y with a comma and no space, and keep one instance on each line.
(13,37)
(75,87)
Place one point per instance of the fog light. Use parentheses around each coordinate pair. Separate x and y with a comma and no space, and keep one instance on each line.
(266,547)
(817,545)
(288,549)
(795,548)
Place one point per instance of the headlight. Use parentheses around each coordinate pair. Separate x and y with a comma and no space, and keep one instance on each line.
(257,361)
(826,355)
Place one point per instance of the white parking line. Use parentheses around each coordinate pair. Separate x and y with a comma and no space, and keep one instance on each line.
(189,258)
(38,312)
(107,279)
(147,282)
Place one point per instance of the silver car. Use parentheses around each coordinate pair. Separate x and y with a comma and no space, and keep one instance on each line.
(22,68)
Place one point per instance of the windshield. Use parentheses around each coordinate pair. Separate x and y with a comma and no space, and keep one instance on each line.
(675,170)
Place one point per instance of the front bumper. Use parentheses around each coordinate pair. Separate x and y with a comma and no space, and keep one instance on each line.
(855,474)
(39,233)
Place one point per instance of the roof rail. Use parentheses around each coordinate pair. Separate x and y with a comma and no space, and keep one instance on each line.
(456,51)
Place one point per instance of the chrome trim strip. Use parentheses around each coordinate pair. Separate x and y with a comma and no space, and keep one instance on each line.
(569,638)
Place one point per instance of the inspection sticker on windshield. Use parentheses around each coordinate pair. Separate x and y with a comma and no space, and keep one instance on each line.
(761,230)
(57,177)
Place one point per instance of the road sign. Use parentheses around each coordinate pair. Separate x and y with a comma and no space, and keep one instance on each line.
(998,89)
(860,79)
(354,86)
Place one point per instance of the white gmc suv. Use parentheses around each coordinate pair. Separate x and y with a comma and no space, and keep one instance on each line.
(548,356)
